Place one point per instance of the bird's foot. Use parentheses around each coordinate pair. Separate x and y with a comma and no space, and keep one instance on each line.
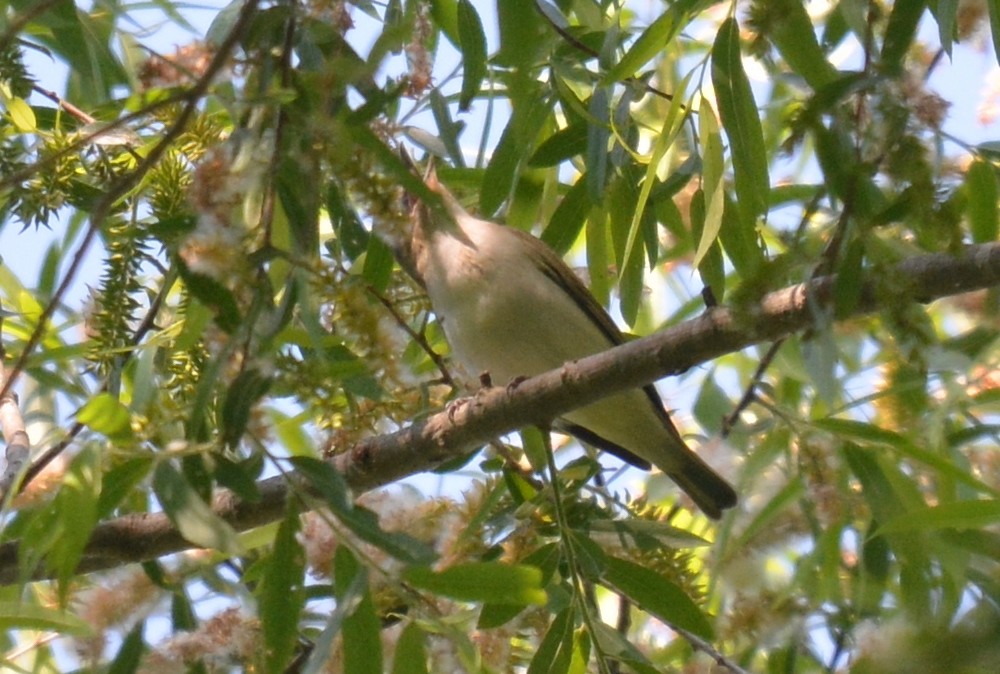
(515,382)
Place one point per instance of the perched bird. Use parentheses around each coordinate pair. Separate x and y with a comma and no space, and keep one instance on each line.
(511,307)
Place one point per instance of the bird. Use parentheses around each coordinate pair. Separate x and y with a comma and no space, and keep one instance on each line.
(511,307)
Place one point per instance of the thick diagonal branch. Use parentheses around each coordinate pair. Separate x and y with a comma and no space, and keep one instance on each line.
(425,444)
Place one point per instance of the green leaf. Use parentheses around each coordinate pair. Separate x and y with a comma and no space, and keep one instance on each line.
(120,481)
(378,264)
(518,137)
(20,615)
(215,296)
(361,629)
(740,241)
(713,185)
(945,12)
(473,45)
(654,39)
(644,532)
(668,132)
(995,27)
(522,34)
(482,582)
(953,515)
(793,34)
(547,559)
(656,595)
(859,430)
(362,522)
(445,13)
(130,653)
(899,33)
(21,115)
(555,652)
(106,415)
(76,509)
(568,219)
(613,644)
(741,120)
(280,592)
(411,652)
(347,600)
(560,146)
(248,387)
(982,194)
(711,269)
(598,134)
(190,514)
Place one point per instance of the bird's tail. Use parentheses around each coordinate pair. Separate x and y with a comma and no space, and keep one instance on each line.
(707,489)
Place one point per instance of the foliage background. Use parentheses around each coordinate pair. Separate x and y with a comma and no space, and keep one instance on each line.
(244,323)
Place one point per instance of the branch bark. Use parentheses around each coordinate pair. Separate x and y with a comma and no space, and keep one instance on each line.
(425,444)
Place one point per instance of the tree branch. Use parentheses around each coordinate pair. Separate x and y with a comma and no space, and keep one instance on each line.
(378,461)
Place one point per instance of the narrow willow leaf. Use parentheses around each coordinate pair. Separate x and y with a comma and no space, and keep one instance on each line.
(190,514)
(377,268)
(560,146)
(361,629)
(741,121)
(982,194)
(900,32)
(76,507)
(248,387)
(598,134)
(945,12)
(347,601)
(522,34)
(525,124)
(130,653)
(280,592)
(614,645)
(656,595)
(481,582)
(861,431)
(21,615)
(106,415)
(954,515)
(713,185)
(547,559)
(793,34)
(711,269)
(654,39)
(672,123)
(555,652)
(119,482)
(740,241)
(473,45)
(568,219)
(995,27)
(21,115)
(363,522)
(411,652)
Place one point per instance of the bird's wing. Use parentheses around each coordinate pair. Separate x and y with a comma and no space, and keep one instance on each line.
(559,273)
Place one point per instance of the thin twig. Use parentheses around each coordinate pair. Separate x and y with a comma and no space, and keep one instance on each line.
(751,392)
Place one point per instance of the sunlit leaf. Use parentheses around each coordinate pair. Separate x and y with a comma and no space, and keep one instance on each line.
(482,581)
(106,415)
